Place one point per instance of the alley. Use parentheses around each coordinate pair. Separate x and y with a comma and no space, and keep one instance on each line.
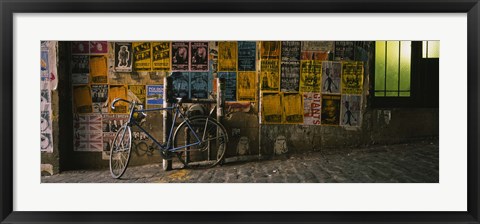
(402,163)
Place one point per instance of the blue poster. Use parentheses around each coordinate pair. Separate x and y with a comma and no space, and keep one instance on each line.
(44,73)
(200,85)
(230,85)
(154,94)
(246,55)
(181,84)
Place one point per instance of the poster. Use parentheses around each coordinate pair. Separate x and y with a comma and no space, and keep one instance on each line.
(320,46)
(161,56)
(291,50)
(98,47)
(113,122)
(154,94)
(292,108)
(87,133)
(314,55)
(230,85)
(107,138)
(227,56)
(82,99)
(142,56)
(352,77)
(110,125)
(310,76)
(80,47)
(312,104)
(213,58)
(80,69)
(99,98)
(199,52)
(330,110)
(270,75)
(270,50)
(350,112)
(181,84)
(98,69)
(137,93)
(290,76)
(46,137)
(272,108)
(118,91)
(123,57)
(180,56)
(246,55)
(246,86)
(52,60)
(331,72)
(344,50)
(46,142)
(200,85)
(45,104)
(317,50)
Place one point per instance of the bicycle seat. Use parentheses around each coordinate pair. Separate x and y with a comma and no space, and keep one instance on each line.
(176,100)
(179,100)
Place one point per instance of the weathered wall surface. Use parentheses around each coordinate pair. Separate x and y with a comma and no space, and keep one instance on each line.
(379,127)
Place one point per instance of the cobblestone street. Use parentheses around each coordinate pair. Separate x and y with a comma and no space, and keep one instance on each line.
(405,163)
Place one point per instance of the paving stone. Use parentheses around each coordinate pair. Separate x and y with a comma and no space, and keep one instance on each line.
(416,162)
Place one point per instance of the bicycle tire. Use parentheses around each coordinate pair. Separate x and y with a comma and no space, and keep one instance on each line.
(119,153)
(207,154)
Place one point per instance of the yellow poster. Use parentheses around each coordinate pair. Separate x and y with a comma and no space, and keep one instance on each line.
(137,93)
(82,99)
(270,50)
(352,77)
(119,91)
(142,56)
(292,108)
(310,76)
(270,75)
(272,108)
(246,86)
(227,56)
(98,69)
(161,56)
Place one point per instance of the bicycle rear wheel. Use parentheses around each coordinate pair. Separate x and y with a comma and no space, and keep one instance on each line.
(211,148)
(120,151)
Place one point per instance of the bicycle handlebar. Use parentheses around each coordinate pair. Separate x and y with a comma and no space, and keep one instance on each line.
(119,99)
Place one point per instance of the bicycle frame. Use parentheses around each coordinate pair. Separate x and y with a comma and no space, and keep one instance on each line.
(167,147)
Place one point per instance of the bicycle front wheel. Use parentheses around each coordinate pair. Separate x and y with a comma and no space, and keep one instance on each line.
(205,151)
(120,151)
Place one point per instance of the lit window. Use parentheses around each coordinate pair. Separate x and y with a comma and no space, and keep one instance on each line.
(431,49)
(392,68)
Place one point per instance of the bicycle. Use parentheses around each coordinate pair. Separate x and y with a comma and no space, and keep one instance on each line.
(198,141)
(142,148)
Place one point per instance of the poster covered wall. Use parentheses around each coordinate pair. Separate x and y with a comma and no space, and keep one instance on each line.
(294,82)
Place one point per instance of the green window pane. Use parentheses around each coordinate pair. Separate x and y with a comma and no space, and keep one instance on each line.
(405,61)
(379,68)
(393,59)
(424,49)
(431,49)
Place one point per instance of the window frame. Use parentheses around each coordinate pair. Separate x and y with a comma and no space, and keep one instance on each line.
(421,89)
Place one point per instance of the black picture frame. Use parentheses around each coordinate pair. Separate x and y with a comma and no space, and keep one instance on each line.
(9,7)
